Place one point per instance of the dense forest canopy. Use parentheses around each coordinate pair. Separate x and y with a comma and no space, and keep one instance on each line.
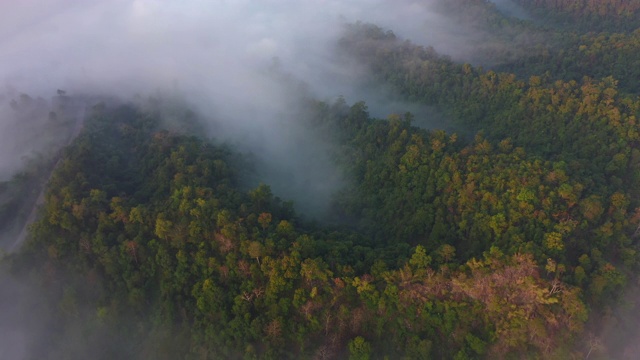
(514,236)
(589,14)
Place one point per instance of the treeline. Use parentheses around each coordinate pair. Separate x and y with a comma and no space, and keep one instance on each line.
(610,8)
(490,37)
(591,15)
(588,123)
(597,55)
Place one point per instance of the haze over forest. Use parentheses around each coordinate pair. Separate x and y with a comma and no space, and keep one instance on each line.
(229,59)
(239,64)
(319,179)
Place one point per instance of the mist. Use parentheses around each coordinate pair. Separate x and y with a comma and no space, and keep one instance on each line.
(25,131)
(221,56)
(510,8)
(131,46)
(13,325)
(227,58)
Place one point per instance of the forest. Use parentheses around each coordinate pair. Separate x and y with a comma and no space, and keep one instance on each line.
(513,234)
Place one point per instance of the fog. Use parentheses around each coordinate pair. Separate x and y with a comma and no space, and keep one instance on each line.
(137,45)
(220,55)
(21,133)
(214,47)
(511,8)
(13,325)
(224,56)
(217,49)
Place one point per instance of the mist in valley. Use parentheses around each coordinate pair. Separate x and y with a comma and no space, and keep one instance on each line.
(220,56)
(242,67)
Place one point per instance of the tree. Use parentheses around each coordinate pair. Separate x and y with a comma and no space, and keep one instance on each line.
(359,349)
(255,250)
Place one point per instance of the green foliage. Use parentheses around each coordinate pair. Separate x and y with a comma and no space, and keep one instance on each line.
(498,245)
(359,349)
(181,250)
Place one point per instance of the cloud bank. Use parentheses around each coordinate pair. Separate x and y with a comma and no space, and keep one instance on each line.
(216,53)
(139,45)
(219,54)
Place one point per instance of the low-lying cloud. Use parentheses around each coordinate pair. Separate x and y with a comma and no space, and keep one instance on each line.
(215,47)
(219,54)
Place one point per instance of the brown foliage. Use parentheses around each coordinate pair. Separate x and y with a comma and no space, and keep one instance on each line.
(225,244)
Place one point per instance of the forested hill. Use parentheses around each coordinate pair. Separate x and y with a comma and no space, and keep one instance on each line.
(583,129)
(146,232)
(586,123)
(589,15)
(516,238)
(597,55)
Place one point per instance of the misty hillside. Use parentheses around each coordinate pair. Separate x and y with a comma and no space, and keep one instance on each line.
(429,179)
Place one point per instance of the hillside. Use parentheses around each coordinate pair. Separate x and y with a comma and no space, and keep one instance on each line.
(513,234)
